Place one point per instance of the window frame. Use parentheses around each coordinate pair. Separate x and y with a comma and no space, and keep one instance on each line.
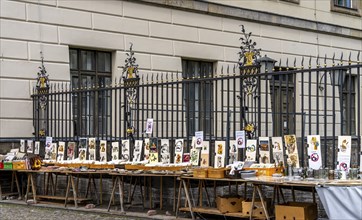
(354,10)
(348,105)
(203,119)
(87,118)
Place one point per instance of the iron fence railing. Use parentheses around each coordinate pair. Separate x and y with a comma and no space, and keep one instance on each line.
(287,100)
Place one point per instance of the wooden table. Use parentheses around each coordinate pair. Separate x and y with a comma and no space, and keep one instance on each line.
(184,183)
(14,178)
(119,180)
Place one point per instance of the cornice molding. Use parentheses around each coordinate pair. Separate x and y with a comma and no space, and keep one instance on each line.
(257,16)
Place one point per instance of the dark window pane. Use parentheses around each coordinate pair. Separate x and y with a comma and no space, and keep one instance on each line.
(104,62)
(73,59)
(87,58)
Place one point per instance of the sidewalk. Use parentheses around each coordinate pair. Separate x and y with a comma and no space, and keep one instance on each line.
(14,209)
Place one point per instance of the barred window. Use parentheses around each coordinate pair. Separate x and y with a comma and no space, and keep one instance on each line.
(91,108)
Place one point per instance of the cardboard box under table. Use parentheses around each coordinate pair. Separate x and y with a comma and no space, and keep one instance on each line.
(229,204)
(296,211)
(258,210)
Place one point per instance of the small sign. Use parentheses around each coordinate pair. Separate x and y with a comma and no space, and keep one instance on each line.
(240,139)
(149,126)
(199,138)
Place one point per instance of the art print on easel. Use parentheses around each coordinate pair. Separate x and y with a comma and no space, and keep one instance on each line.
(48,148)
(146,151)
(234,152)
(103,151)
(195,156)
(278,155)
(250,153)
(37,147)
(61,150)
(205,154)
(344,152)
(264,150)
(125,150)
(165,151)
(292,149)
(82,149)
(115,151)
(219,154)
(29,146)
(137,151)
(314,151)
(179,148)
(70,150)
(92,149)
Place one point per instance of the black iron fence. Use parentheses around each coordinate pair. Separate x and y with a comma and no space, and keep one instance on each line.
(284,100)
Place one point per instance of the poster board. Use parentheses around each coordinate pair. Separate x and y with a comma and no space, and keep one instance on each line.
(115,151)
(314,152)
(344,152)
(102,151)
(264,150)
(251,147)
(165,151)
(125,150)
(205,154)
(137,151)
(219,154)
(70,150)
(292,149)
(233,152)
(179,147)
(92,148)
(277,150)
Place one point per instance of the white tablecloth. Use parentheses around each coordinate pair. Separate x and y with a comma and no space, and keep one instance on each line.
(341,202)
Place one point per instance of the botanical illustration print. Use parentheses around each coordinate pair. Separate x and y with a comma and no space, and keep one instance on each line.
(219,154)
(219,161)
(264,150)
(82,149)
(179,146)
(344,152)
(314,151)
(165,151)
(29,146)
(54,152)
(277,145)
(70,150)
(61,150)
(195,156)
(92,149)
(125,150)
(205,154)
(146,149)
(292,149)
(291,144)
(250,152)
(115,151)
(103,151)
(137,151)
(48,148)
(234,151)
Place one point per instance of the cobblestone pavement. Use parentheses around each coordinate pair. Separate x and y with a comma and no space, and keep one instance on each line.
(25,212)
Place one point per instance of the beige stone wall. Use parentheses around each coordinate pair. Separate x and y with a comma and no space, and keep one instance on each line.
(161,35)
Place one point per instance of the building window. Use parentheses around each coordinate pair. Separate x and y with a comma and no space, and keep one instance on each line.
(91,108)
(351,7)
(343,3)
(348,116)
(197,96)
(282,92)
